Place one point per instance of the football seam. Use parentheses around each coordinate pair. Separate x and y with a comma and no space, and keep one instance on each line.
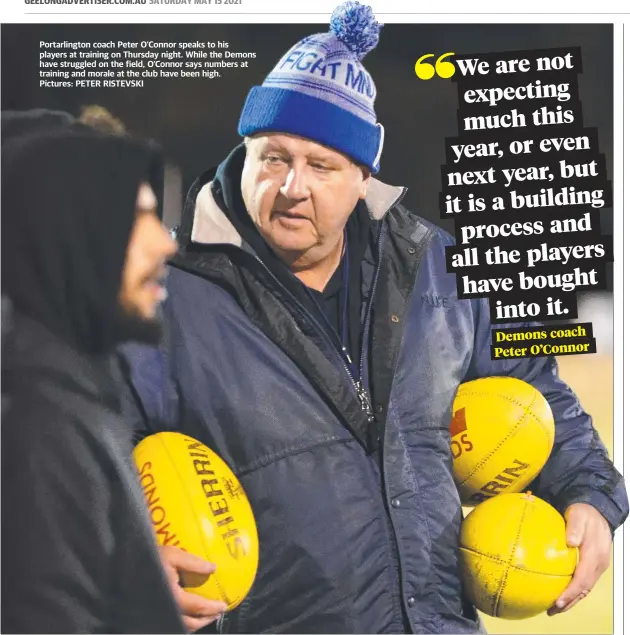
(526,410)
(197,527)
(533,414)
(514,566)
(550,437)
(503,584)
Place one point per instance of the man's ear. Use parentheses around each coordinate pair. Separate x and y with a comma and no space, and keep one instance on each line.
(367,177)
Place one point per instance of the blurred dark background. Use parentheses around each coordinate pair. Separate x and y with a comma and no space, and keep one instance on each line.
(195,119)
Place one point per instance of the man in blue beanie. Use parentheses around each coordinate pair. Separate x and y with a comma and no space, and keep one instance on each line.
(303,349)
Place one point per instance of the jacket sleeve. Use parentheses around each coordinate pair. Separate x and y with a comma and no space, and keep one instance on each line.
(579,469)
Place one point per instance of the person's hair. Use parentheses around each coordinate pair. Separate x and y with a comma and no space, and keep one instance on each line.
(101,119)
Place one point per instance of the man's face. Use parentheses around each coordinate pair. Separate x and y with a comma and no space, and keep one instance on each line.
(300,194)
(150,245)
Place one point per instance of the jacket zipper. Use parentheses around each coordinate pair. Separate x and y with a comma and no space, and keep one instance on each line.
(364,394)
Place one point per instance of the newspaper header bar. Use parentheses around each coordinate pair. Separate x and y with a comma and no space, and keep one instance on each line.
(13,10)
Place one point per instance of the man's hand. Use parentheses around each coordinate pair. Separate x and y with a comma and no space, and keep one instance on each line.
(196,611)
(590,531)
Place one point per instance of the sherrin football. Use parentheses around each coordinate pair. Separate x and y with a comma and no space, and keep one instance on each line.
(196,503)
(502,433)
(514,557)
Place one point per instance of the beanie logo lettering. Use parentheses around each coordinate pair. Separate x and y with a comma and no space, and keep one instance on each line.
(361,83)
(308,62)
(298,62)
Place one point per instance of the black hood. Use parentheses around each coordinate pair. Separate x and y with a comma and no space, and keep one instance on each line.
(20,123)
(68,208)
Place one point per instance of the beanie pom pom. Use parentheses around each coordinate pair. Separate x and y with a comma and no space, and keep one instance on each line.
(355,26)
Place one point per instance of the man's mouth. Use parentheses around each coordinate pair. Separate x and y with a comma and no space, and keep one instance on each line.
(158,290)
(290,216)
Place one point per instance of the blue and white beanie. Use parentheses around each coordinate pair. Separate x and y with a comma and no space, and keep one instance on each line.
(320,90)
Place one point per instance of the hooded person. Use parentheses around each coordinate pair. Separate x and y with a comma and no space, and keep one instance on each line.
(83,256)
(316,341)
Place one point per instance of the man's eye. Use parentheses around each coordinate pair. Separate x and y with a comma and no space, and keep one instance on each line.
(320,167)
(273,159)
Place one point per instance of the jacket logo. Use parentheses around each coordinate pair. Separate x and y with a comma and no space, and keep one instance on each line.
(434,300)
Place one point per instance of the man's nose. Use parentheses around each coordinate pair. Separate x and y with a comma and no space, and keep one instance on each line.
(296,184)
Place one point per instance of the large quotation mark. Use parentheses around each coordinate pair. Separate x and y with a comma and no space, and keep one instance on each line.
(425,70)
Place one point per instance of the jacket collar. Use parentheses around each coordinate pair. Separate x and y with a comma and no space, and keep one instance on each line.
(211,226)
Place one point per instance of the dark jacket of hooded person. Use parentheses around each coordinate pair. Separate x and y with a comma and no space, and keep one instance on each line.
(78,551)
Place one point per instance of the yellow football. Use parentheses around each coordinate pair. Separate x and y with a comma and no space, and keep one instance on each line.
(514,557)
(197,504)
(502,433)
